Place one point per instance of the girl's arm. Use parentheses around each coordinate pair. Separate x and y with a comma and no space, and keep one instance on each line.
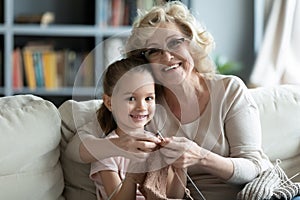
(111,182)
(176,183)
(92,149)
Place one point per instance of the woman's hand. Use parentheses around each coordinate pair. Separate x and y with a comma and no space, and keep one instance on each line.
(182,152)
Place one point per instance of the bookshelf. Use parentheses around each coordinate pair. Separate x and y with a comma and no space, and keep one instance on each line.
(82,32)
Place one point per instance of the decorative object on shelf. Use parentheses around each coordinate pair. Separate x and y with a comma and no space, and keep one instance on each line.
(43,19)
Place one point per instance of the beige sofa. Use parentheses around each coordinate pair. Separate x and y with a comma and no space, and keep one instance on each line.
(35,163)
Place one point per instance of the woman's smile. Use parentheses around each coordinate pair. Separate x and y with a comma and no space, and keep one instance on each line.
(172,67)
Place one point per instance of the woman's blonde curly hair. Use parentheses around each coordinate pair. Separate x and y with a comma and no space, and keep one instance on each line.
(175,12)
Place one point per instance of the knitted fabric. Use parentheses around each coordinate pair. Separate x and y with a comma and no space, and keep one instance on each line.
(155,183)
(270,184)
(287,189)
(287,192)
(154,187)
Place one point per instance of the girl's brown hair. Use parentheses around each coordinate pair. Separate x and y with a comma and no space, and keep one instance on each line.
(111,76)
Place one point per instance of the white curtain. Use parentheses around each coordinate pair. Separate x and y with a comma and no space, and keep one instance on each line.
(278,58)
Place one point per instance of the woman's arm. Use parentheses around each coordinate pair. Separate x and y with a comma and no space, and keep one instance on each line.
(111,182)
(92,149)
(182,153)
(240,125)
(245,160)
(86,147)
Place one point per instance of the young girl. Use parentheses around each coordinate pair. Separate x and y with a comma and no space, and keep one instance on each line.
(128,105)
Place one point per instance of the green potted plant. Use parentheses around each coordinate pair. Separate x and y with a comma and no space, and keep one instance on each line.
(225,66)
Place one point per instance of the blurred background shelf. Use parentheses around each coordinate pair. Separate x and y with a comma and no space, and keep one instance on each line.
(74,38)
(84,29)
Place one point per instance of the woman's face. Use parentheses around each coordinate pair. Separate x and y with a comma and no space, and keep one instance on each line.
(133,101)
(168,52)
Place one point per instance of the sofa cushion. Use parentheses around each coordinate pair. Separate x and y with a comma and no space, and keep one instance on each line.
(279,108)
(76,114)
(29,149)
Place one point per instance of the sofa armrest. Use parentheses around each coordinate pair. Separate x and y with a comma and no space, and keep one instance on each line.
(76,114)
(29,149)
(279,108)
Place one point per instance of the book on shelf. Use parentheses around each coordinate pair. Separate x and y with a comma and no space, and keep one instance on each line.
(86,73)
(38,68)
(71,67)
(104,8)
(17,69)
(60,67)
(117,12)
(130,12)
(121,12)
(33,63)
(79,69)
(1,70)
(47,68)
(29,69)
(50,69)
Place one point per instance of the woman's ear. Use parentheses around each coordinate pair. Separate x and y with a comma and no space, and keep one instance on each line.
(107,101)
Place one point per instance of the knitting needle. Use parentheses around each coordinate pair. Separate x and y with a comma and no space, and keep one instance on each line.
(116,189)
(160,135)
(297,174)
(187,175)
(194,185)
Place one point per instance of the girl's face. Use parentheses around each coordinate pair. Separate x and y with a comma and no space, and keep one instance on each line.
(133,101)
(168,52)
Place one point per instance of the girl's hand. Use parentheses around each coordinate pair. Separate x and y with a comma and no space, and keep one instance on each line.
(137,146)
(139,142)
(182,152)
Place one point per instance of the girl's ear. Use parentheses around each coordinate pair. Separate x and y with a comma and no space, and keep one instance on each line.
(107,101)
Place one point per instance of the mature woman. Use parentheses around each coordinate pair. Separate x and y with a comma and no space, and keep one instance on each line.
(210,122)
(213,119)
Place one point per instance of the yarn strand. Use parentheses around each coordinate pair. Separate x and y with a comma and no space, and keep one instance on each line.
(194,185)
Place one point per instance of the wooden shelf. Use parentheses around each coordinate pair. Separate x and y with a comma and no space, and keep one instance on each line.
(75,28)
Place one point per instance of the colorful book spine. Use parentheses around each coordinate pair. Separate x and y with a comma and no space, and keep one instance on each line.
(17,69)
(29,69)
(50,69)
(38,67)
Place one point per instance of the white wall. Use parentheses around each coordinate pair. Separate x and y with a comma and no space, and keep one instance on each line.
(231,24)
